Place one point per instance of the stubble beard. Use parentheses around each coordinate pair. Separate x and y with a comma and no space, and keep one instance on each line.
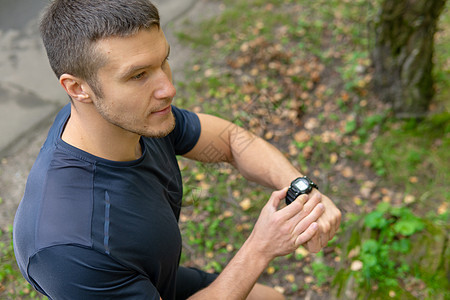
(149,132)
(161,133)
(146,131)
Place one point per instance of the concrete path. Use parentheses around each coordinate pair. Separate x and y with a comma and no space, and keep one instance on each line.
(30,94)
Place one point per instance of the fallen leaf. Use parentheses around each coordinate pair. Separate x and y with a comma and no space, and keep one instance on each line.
(199,176)
(345,96)
(356,265)
(413,179)
(442,208)
(311,123)
(183,218)
(293,151)
(354,252)
(366,188)
(385,191)
(357,200)
(309,279)
(301,251)
(279,289)
(209,73)
(347,172)
(302,136)
(333,158)
(268,135)
(290,278)
(270,270)
(245,204)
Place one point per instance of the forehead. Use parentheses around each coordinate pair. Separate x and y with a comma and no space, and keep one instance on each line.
(147,47)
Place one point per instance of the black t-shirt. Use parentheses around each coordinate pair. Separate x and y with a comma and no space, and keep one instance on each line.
(93,228)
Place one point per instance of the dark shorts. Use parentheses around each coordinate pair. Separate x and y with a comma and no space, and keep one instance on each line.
(191,280)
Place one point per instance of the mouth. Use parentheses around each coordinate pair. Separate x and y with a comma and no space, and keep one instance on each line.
(163,111)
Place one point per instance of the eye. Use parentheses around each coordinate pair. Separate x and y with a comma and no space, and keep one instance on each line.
(138,76)
(165,60)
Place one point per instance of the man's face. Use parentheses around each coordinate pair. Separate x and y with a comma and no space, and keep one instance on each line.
(136,82)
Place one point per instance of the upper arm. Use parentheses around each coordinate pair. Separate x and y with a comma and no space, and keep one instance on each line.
(214,143)
(73,272)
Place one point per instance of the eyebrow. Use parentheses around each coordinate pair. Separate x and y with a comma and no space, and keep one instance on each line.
(135,68)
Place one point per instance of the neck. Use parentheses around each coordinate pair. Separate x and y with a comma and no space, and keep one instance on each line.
(93,134)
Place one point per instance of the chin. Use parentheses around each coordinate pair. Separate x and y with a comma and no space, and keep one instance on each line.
(161,129)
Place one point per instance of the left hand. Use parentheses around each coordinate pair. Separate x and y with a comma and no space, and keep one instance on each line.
(328,225)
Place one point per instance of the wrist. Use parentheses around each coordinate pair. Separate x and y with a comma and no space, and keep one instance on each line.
(257,252)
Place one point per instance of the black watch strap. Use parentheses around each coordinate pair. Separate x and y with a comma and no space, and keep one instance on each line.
(291,194)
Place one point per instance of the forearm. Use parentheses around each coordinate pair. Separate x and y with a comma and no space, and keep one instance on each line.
(256,159)
(259,161)
(238,278)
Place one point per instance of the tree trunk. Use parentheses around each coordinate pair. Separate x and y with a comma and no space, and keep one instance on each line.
(402,54)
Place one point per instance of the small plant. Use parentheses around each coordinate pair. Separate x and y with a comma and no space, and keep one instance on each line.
(322,272)
(391,228)
(383,252)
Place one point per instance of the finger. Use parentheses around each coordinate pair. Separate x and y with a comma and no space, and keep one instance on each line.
(324,230)
(309,219)
(296,221)
(336,223)
(310,205)
(313,245)
(328,226)
(295,208)
(306,235)
(333,227)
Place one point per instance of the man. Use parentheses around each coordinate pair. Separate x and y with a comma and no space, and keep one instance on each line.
(99,216)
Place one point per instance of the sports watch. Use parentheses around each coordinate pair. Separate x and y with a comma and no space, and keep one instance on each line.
(300,186)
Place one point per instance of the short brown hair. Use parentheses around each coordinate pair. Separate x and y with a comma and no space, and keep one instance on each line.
(70,28)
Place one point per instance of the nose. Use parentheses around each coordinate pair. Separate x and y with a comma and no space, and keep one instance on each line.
(165,88)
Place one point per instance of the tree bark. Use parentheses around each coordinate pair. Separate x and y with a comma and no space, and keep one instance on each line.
(403,52)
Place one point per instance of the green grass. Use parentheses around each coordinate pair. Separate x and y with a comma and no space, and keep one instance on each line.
(12,284)
(408,157)
(410,149)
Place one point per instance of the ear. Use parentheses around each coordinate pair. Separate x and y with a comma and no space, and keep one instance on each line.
(77,88)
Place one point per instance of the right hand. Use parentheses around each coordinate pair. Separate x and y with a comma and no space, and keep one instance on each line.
(280,232)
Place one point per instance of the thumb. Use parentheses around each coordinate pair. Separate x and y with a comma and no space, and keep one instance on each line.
(277,196)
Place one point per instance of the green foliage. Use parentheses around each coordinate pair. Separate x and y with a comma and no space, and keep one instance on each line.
(385,243)
(390,228)
(321,272)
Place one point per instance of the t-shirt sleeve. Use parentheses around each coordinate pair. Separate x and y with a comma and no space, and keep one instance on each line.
(186,132)
(74,272)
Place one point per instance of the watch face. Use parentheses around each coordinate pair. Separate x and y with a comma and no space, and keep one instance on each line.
(302,184)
